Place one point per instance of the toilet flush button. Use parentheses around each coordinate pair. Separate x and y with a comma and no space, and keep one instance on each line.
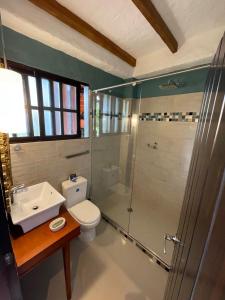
(57,224)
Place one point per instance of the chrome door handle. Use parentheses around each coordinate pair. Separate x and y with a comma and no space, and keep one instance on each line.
(171,238)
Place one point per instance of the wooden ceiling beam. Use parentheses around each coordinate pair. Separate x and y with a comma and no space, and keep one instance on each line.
(67,17)
(151,14)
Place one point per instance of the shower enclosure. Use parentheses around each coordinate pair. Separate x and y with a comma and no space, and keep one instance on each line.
(140,165)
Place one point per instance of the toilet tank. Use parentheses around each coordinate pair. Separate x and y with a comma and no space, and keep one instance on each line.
(74,192)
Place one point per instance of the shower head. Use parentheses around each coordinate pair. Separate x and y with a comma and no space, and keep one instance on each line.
(171,84)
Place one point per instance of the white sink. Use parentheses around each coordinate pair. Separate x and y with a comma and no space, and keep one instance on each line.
(35,205)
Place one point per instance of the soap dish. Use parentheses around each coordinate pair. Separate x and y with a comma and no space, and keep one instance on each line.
(57,224)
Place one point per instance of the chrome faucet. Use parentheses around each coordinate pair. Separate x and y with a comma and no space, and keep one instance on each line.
(16,189)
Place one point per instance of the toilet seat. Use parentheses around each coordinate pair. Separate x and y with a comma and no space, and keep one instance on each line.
(85,212)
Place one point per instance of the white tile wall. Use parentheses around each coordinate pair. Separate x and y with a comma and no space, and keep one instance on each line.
(160,174)
(45,161)
(174,103)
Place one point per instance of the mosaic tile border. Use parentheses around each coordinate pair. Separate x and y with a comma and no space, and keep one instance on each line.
(170,117)
(111,115)
(149,253)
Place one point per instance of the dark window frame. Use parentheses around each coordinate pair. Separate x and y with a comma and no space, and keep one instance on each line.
(26,71)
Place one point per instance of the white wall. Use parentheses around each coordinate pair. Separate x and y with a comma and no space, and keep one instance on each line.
(197,50)
(45,161)
(160,174)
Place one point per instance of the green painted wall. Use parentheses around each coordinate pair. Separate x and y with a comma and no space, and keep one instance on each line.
(194,81)
(27,51)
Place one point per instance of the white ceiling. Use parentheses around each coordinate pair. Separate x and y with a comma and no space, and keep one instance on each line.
(121,21)
(196,24)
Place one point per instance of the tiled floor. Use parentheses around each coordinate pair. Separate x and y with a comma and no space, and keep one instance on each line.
(109,268)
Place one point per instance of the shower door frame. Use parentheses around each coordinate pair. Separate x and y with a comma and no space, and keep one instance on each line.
(204,192)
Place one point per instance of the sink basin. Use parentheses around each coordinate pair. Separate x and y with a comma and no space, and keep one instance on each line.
(35,205)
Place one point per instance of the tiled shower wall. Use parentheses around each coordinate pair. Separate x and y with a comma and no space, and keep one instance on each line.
(163,152)
(110,151)
(45,161)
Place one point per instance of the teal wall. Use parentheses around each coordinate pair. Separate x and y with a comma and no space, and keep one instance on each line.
(194,81)
(27,51)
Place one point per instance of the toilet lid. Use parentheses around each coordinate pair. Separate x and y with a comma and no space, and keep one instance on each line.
(85,212)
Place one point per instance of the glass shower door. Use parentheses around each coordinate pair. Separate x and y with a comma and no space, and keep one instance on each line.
(165,138)
(141,151)
(112,156)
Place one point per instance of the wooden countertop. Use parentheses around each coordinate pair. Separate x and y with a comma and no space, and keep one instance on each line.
(34,246)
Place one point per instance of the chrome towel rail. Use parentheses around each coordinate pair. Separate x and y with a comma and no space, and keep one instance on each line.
(77,154)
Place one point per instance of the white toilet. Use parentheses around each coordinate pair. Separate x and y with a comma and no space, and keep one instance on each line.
(83,211)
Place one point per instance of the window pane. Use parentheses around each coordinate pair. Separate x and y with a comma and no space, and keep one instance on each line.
(125,118)
(58,123)
(35,121)
(48,122)
(116,106)
(107,104)
(106,118)
(97,118)
(115,119)
(33,90)
(115,124)
(56,94)
(106,124)
(125,108)
(46,92)
(69,96)
(70,123)
(84,111)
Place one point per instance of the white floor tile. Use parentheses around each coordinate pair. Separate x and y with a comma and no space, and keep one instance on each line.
(109,268)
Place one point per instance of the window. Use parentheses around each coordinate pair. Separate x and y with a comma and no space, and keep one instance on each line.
(112,115)
(56,107)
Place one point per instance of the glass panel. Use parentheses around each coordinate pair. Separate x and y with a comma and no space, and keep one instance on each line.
(69,96)
(48,123)
(70,123)
(35,121)
(58,123)
(56,89)
(154,183)
(33,90)
(46,92)
(111,164)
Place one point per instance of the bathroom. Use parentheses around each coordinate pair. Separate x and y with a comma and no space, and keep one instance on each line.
(112,143)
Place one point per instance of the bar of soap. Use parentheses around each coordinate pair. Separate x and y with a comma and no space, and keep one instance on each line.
(57,224)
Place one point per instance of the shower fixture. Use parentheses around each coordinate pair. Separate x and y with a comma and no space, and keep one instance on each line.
(172,84)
